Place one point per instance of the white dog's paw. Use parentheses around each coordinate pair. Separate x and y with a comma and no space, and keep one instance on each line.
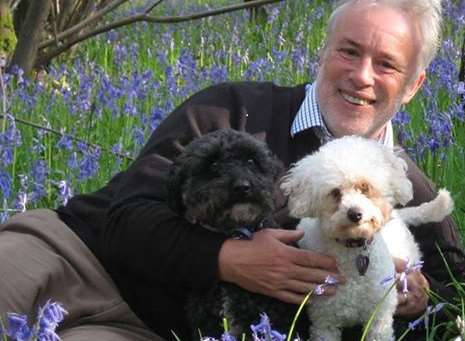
(443,203)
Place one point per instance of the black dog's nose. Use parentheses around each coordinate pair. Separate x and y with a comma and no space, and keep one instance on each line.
(354,215)
(242,186)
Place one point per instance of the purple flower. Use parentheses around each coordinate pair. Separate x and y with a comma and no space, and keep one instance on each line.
(65,142)
(263,331)
(425,317)
(21,201)
(18,328)
(64,191)
(227,337)
(5,183)
(73,161)
(156,117)
(138,136)
(329,281)
(402,276)
(88,166)
(401,118)
(50,315)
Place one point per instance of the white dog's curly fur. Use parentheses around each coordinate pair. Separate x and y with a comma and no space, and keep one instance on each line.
(344,194)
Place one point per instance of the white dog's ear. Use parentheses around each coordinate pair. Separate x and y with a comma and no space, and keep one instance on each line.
(401,186)
(297,186)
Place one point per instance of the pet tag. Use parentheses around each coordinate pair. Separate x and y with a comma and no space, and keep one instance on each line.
(362,263)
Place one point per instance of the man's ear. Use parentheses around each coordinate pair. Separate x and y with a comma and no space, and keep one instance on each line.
(412,88)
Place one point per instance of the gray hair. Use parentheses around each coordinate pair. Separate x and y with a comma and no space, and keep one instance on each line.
(428,14)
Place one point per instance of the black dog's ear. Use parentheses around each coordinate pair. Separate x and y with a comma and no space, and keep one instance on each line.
(176,177)
(277,166)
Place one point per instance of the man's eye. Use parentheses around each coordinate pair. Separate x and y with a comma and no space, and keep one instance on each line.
(349,52)
(388,66)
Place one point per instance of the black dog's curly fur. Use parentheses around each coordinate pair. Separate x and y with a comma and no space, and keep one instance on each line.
(224,181)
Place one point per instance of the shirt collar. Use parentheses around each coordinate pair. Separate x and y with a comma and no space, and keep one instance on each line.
(309,116)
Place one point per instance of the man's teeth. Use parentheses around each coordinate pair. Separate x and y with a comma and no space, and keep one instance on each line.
(355,100)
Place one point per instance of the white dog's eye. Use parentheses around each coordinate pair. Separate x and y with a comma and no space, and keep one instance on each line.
(335,193)
(364,188)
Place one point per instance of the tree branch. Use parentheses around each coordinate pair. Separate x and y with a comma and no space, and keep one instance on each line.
(144,17)
(85,23)
(152,6)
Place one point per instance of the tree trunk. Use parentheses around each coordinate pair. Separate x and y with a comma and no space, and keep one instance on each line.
(19,15)
(28,40)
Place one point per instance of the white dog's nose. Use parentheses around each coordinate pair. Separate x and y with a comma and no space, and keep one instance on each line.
(354,214)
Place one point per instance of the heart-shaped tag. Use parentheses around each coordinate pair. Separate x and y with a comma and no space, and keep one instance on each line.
(362,263)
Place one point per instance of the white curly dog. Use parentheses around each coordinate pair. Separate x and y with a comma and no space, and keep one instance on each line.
(345,194)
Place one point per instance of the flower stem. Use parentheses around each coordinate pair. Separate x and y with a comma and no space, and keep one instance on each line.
(299,311)
(372,317)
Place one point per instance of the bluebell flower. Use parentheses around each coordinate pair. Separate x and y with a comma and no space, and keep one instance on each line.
(273,14)
(7,156)
(218,74)
(329,281)
(5,183)
(21,201)
(263,331)
(138,136)
(401,118)
(425,317)
(50,315)
(64,191)
(156,117)
(73,161)
(39,171)
(402,277)
(17,327)
(227,337)
(65,142)
(88,166)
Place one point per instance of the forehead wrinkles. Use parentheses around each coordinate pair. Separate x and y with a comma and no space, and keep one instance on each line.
(365,24)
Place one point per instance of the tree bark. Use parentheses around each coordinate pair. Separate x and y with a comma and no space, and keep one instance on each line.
(28,40)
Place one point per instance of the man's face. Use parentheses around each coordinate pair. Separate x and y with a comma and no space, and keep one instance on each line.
(368,69)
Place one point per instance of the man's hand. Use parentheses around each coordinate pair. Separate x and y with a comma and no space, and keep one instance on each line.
(413,303)
(268,265)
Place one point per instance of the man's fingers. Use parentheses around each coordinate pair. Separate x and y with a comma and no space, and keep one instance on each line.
(286,236)
(402,299)
(315,275)
(399,264)
(297,297)
(304,288)
(311,259)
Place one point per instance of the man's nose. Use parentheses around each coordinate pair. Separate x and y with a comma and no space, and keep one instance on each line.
(363,74)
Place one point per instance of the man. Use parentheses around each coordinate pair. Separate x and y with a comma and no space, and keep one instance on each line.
(374,60)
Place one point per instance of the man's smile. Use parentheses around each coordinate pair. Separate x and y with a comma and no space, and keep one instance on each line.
(356,100)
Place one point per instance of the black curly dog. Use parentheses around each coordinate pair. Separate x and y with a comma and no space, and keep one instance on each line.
(225,182)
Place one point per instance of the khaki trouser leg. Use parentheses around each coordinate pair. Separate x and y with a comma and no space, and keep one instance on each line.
(41,259)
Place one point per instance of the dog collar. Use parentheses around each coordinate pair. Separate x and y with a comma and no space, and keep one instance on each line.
(355,242)
(362,261)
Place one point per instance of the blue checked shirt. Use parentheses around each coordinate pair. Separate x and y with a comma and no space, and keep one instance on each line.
(309,116)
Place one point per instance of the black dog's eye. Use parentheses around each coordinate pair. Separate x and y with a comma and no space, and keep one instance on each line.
(251,162)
